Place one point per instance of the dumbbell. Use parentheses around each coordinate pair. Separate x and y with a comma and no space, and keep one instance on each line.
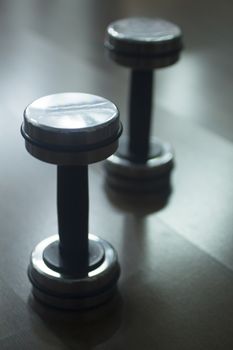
(74,269)
(142,164)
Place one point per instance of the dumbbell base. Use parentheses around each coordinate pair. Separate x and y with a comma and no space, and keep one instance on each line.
(65,291)
(152,175)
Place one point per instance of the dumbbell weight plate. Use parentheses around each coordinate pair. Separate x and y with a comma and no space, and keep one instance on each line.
(143,43)
(65,291)
(152,175)
(71,128)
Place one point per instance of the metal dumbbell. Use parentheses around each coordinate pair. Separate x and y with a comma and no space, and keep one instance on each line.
(72,270)
(142,163)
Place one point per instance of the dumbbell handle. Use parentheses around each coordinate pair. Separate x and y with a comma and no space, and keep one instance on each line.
(140,106)
(72,209)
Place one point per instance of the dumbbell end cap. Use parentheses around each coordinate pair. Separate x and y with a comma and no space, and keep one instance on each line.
(71,128)
(152,175)
(67,291)
(144,43)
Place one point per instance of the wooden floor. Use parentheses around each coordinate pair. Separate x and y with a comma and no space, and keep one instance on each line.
(176,287)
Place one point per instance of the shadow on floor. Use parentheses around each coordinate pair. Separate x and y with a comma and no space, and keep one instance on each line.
(87,328)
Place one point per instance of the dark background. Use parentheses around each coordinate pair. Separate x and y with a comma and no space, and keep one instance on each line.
(177,281)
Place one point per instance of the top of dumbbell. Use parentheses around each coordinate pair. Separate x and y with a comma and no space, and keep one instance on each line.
(144,43)
(71,128)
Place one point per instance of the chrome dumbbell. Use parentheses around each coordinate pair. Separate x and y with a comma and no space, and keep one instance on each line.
(74,269)
(142,163)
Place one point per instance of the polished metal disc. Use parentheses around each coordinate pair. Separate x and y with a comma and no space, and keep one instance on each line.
(71,128)
(151,175)
(66,291)
(142,42)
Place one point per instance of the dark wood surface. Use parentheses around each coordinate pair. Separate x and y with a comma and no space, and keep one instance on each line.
(176,287)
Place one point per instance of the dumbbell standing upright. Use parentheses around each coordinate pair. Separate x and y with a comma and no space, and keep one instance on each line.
(142,163)
(72,130)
